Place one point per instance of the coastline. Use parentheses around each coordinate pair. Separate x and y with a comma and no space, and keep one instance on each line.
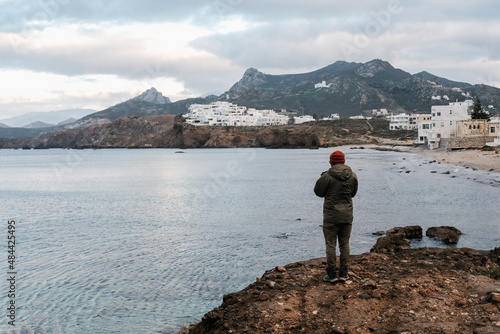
(488,161)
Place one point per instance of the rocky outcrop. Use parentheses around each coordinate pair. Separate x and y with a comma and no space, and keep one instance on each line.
(152,96)
(418,291)
(447,234)
(396,239)
(391,243)
(409,232)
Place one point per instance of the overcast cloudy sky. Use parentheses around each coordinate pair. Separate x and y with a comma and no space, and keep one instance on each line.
(59,54)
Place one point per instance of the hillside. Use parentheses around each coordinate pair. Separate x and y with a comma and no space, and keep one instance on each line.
(49,117)
(34,124)
(149,103)
(7,133)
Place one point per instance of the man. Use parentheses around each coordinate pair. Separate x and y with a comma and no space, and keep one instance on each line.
(338,186)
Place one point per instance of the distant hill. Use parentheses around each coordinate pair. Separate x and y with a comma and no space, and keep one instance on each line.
(151,102)
(49,117)
(441,81)
(4,125)
(11,133)
(67,121)
(37,124)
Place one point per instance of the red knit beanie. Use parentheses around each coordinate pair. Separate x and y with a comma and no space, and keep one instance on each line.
(337,157)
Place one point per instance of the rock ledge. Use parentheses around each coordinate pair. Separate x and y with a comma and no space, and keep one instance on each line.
(426,290)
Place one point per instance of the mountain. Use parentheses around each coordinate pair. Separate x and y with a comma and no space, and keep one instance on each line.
(11,133)
(67,121)
(351,88)
(441,81)
(49,117)
(150,102)
(152,96)
(346,88)
(37,124)
(4,125)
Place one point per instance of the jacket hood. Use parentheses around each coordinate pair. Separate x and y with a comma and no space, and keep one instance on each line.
(340,171)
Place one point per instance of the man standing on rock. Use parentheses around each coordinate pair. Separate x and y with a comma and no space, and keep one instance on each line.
(338,186)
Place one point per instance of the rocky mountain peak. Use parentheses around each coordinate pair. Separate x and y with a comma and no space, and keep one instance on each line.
(251,71)
(371,68)
(152,96)
(253,75)
(251,78)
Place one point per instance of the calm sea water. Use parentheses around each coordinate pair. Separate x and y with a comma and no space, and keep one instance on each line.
(145,241)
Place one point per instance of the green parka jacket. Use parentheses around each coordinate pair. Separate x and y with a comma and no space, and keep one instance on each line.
(338,186)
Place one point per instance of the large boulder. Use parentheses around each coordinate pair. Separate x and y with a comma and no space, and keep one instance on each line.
(447,234)
(495,255)
(408,232)
(391,244)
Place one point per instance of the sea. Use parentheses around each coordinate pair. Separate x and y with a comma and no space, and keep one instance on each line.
(149,240)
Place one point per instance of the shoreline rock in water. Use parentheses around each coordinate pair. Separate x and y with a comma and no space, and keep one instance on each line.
(398,238)
(425,290)
(447,234)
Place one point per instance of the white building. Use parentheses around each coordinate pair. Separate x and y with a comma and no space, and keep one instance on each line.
(424,127)
(303,119)
(377,112)
(443,123)
(322,84)
(439,97)
(331,117)
(403,122)
(227,114)
(360,117)
(496,141)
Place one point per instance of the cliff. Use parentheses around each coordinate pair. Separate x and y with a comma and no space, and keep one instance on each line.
(166,131)
(427,290)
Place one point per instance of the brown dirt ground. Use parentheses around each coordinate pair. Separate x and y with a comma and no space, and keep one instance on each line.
(428,290)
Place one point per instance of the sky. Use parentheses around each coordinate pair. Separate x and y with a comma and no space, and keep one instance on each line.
(62,54)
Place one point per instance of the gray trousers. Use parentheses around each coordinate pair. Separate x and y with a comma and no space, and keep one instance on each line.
(332,232)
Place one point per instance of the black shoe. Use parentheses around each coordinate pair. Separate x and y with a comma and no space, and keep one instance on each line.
(343,276)
(331,279)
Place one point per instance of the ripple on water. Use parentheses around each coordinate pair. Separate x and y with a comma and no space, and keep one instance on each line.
(131,241)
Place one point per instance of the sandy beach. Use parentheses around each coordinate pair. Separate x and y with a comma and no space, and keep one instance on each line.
(488,161)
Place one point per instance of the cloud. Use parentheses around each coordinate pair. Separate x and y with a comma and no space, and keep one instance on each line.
(32,13)
(117,50)
(189,48)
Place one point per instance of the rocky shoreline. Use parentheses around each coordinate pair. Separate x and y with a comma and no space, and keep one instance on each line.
(425,290)
(485,160)
(167,131)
